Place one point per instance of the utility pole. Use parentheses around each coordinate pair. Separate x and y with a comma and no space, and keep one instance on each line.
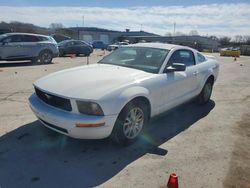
(174,32)
(78,37)
(82,21)
(174,28)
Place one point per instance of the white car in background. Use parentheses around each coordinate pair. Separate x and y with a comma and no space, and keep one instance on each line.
(117,96)
(116,45)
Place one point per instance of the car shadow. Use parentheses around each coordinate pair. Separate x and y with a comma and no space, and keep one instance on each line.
(15,63)
(19,64)
(34,156)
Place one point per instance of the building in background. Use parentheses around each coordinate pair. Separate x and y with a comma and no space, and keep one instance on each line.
(2,31)
(107,36)
(90,34)
(245,49)
(198,42)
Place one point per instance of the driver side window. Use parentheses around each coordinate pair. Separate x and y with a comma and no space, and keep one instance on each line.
(185,57)
(69,44)
(14,38)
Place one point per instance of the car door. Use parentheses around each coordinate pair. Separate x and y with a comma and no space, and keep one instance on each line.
(85,48)
(180,86)
(69,47)
(11,47)
(29,45)
(78,47)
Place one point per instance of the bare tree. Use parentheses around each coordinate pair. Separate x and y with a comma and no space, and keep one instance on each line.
(178,33)
(56,25)
(213,37)
(238,39)
(246,39)
(225,41)
(193,33)
(168,34)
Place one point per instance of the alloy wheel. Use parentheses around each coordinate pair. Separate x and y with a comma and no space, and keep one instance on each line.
(133,123)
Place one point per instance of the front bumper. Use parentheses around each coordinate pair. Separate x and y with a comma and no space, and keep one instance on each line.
(65,122)
(56,54)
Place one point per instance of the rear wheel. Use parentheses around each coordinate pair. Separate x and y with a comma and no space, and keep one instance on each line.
(130,123)
(206,92)
(45,57)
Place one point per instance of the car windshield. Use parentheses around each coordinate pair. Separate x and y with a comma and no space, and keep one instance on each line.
(142,58)
(51,39)
(63,42)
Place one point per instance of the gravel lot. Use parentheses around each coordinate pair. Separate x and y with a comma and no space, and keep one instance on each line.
(207,146)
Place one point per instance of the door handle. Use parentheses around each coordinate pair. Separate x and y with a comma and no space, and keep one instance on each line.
(195,73)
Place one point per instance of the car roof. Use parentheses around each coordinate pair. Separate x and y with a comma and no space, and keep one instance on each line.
(73,40)
(32,34)
(97,41)
(158,45)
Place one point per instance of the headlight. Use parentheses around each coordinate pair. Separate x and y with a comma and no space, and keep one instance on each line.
(89,108)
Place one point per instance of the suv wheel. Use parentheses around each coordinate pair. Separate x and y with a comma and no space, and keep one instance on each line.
(130,123)
(45,57)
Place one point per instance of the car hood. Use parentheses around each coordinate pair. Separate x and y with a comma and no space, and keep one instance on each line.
(89,82)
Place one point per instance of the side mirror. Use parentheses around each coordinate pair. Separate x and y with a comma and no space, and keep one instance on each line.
(175,67)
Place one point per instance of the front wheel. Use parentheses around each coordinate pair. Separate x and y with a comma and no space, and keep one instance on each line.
(205,94)
(130,123)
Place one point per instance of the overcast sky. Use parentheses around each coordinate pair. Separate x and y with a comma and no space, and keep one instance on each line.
(210,17)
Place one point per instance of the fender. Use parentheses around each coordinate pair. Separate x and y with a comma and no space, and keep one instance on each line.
(131,93)
(118,102)
(208,74)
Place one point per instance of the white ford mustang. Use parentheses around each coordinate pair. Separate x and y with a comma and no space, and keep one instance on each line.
(118,95)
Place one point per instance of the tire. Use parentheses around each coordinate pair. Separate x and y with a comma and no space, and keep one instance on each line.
(205,94)
(45,57)
(128,127)
(61,54)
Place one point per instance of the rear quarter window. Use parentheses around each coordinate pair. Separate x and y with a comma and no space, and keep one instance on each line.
(40,38)
(30,38)
(201,58)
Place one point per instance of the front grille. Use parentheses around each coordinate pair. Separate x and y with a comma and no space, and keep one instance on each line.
(53,100)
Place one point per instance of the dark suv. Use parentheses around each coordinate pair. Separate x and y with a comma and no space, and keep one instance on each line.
(25,46)
(74,47)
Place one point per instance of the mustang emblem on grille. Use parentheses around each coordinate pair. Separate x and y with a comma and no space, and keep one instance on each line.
(47,96)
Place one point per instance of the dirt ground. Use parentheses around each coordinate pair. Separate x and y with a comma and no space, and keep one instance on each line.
(207,146)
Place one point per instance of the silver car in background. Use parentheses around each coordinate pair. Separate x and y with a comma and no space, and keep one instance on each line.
(26,46)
